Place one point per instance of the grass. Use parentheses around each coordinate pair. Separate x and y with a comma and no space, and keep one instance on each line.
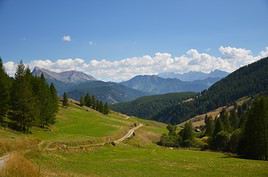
(75,123)
(127,160)
(138,156)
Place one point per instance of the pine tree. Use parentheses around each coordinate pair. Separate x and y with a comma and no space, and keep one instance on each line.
(65,99)
(82,101)
(218,126)
(101,108)
(93,102)
(4,93)
(54,103)
(254,143)
(209,126)
(187,134)
(106,108)
(97,108)
(22,100)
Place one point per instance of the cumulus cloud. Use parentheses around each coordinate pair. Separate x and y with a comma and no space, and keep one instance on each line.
(66,38)
(117,70)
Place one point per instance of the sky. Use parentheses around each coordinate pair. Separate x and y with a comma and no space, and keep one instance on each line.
(118,39)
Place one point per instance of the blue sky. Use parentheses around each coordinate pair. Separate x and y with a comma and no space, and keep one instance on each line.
(33,29)
(116,30)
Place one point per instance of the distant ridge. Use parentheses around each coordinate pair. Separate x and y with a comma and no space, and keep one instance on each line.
(154,84)
(195,75)
(65,77)
(77,84)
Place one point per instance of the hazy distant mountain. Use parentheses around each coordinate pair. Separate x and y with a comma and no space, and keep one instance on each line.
(65,77)
(157,85)
(193,75)
(77,84)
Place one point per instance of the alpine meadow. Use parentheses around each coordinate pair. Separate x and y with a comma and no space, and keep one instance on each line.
(133,88)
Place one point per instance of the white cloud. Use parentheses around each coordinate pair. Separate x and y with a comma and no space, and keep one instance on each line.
(66,38)
(123,69)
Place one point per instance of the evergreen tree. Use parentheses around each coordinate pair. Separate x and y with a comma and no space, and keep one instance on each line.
(54,103)
(218,126)
(22,100)
(82,101)
(101,107)
(65,99)
(209,126)
(93,102)
(97,108)
(4,92)
(254,143)
(187,134)
(106,108)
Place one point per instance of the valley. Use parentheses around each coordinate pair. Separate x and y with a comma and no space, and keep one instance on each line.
(136,156)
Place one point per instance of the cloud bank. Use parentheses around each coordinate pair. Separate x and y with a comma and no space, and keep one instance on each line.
(118,70)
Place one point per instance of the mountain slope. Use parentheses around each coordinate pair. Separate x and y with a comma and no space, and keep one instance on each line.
(65,77)
(246,81)
(157,85)
(106,91)
(149,106)
(77,84)
(194,75)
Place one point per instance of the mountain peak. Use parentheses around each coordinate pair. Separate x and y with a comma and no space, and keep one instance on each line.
(71,76)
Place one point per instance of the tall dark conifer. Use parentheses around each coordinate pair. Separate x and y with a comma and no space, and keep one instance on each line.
(254,142)
(65,99)
(22,100)
(4,92)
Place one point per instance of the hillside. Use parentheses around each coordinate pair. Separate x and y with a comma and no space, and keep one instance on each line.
(78,84)
(65,77)
(106,91)
(73,147)
(246,81)
(149,106)
(156,85)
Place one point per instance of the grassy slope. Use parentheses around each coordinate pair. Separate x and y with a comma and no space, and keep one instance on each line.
(129,160)
(138,156)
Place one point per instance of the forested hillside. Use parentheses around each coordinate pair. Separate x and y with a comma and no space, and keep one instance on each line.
(246,81)
(149,106)
(26,100)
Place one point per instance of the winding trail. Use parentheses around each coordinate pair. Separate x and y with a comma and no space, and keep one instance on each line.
(63,146)
(3,160)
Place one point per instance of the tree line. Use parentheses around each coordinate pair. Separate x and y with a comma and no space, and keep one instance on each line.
(242,130)
(92,102)
(26,100)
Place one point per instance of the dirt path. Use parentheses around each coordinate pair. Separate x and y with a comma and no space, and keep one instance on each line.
(128,135)
(3,160)
(85,146)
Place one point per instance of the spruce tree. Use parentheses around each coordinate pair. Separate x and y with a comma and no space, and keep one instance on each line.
(93,102)
(187,134)
(4,92)
(54,103)
(22,100)
(82,101)
(254,143)
(65,99)
(106,108)
(209,126)
(101,108)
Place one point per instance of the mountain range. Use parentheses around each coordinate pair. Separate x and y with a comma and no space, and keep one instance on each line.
(249,80)
(154,84)
(194,75)
(77,84)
